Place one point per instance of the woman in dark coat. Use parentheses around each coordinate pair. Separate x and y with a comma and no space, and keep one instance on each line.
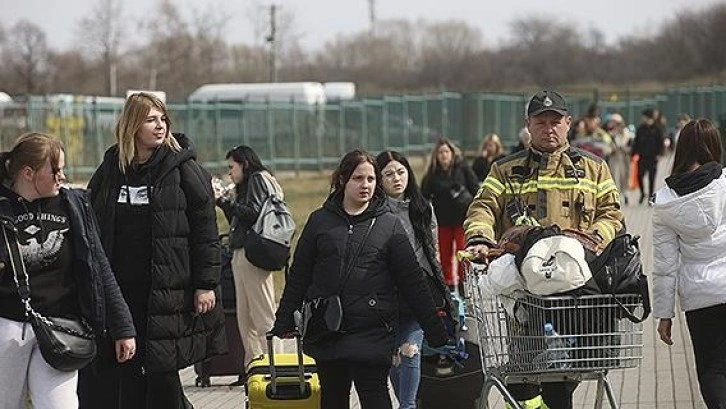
(450,185)
(490,151)
(155,207)
(68,274)
(355,219)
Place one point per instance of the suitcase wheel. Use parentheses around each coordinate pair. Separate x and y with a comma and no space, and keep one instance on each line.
(202,382)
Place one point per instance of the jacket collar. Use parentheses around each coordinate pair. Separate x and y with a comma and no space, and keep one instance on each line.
(548,162)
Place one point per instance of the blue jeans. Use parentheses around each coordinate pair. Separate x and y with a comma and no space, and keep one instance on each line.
(406,369)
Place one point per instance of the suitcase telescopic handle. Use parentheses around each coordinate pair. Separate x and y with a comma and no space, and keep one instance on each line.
(300,362)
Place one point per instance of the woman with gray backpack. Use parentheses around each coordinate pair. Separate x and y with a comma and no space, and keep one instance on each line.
(255,190)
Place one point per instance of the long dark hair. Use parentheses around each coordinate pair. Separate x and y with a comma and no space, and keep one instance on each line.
(249,161)
(419,209)
(347,166)
(699,142)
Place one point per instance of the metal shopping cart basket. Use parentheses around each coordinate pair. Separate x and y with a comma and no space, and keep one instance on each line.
(525,338)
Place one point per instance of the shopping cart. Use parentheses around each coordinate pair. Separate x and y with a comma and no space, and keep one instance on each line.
(525,338)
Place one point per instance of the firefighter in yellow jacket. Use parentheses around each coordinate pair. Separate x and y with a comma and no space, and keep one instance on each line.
(549,183)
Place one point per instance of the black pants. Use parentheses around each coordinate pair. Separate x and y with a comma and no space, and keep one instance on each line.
(649,167)
(557,395)
(708,335)
(114,389)
(371,383)
(107,384)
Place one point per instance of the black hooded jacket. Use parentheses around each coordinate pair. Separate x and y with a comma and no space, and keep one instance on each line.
(185,254)
(99,298)
(385,266)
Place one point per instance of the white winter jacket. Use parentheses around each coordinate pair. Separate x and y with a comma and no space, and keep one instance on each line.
(689,248)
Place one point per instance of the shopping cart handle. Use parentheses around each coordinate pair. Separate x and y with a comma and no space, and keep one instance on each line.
(493,253)
(462,255)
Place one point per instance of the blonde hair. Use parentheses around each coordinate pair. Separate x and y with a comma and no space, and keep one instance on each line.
(132,117)
(497,142)
(32,149)
(434,160)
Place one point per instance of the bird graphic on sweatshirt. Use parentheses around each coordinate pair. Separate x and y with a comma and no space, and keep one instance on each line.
(37,254)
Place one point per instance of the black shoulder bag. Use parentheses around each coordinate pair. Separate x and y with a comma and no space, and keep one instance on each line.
(618,270)
(66,344)
(322,317)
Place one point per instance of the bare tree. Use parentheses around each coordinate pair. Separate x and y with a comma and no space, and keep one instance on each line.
(27,54)
(103,30)
(548,50)
(209,26)
(70,72)
(446,47)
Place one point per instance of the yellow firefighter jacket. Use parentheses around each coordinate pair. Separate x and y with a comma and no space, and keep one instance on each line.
(569,187)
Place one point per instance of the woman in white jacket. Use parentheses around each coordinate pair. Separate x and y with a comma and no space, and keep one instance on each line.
(689,238)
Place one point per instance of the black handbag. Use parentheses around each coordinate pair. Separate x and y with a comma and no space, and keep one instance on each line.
(461,196)
(619,270)
(66,344)
(322,317)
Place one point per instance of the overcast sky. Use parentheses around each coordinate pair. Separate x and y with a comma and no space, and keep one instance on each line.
(317,21)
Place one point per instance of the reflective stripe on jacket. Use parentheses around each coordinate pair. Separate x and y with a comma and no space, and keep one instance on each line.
(569,187)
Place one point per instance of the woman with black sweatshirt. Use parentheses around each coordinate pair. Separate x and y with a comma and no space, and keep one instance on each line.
(68,274)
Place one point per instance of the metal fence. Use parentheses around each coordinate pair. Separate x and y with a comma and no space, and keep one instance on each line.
(292,136)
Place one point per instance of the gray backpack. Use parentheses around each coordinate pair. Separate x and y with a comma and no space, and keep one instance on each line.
(267,245)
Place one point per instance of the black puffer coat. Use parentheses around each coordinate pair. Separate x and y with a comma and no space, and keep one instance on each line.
(369,297)
(185,255)
(437,187)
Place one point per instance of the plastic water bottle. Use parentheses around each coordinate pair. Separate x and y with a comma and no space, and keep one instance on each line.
(555,353)
(557,348)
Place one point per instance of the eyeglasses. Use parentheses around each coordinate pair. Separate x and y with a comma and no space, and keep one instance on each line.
(58,174)
(401,172)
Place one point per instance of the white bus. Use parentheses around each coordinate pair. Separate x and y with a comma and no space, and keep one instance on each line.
(310,93)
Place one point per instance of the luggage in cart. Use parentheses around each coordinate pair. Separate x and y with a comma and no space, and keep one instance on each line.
(530,339)
(282,381)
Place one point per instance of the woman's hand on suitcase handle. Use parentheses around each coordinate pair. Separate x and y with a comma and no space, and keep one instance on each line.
(204,301)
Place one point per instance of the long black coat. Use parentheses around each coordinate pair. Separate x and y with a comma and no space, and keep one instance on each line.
(386,265)
(185,256)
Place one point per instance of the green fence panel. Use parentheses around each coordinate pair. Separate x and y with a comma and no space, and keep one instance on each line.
(298,137)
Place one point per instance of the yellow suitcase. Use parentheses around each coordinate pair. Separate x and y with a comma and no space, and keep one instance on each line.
(282,381)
